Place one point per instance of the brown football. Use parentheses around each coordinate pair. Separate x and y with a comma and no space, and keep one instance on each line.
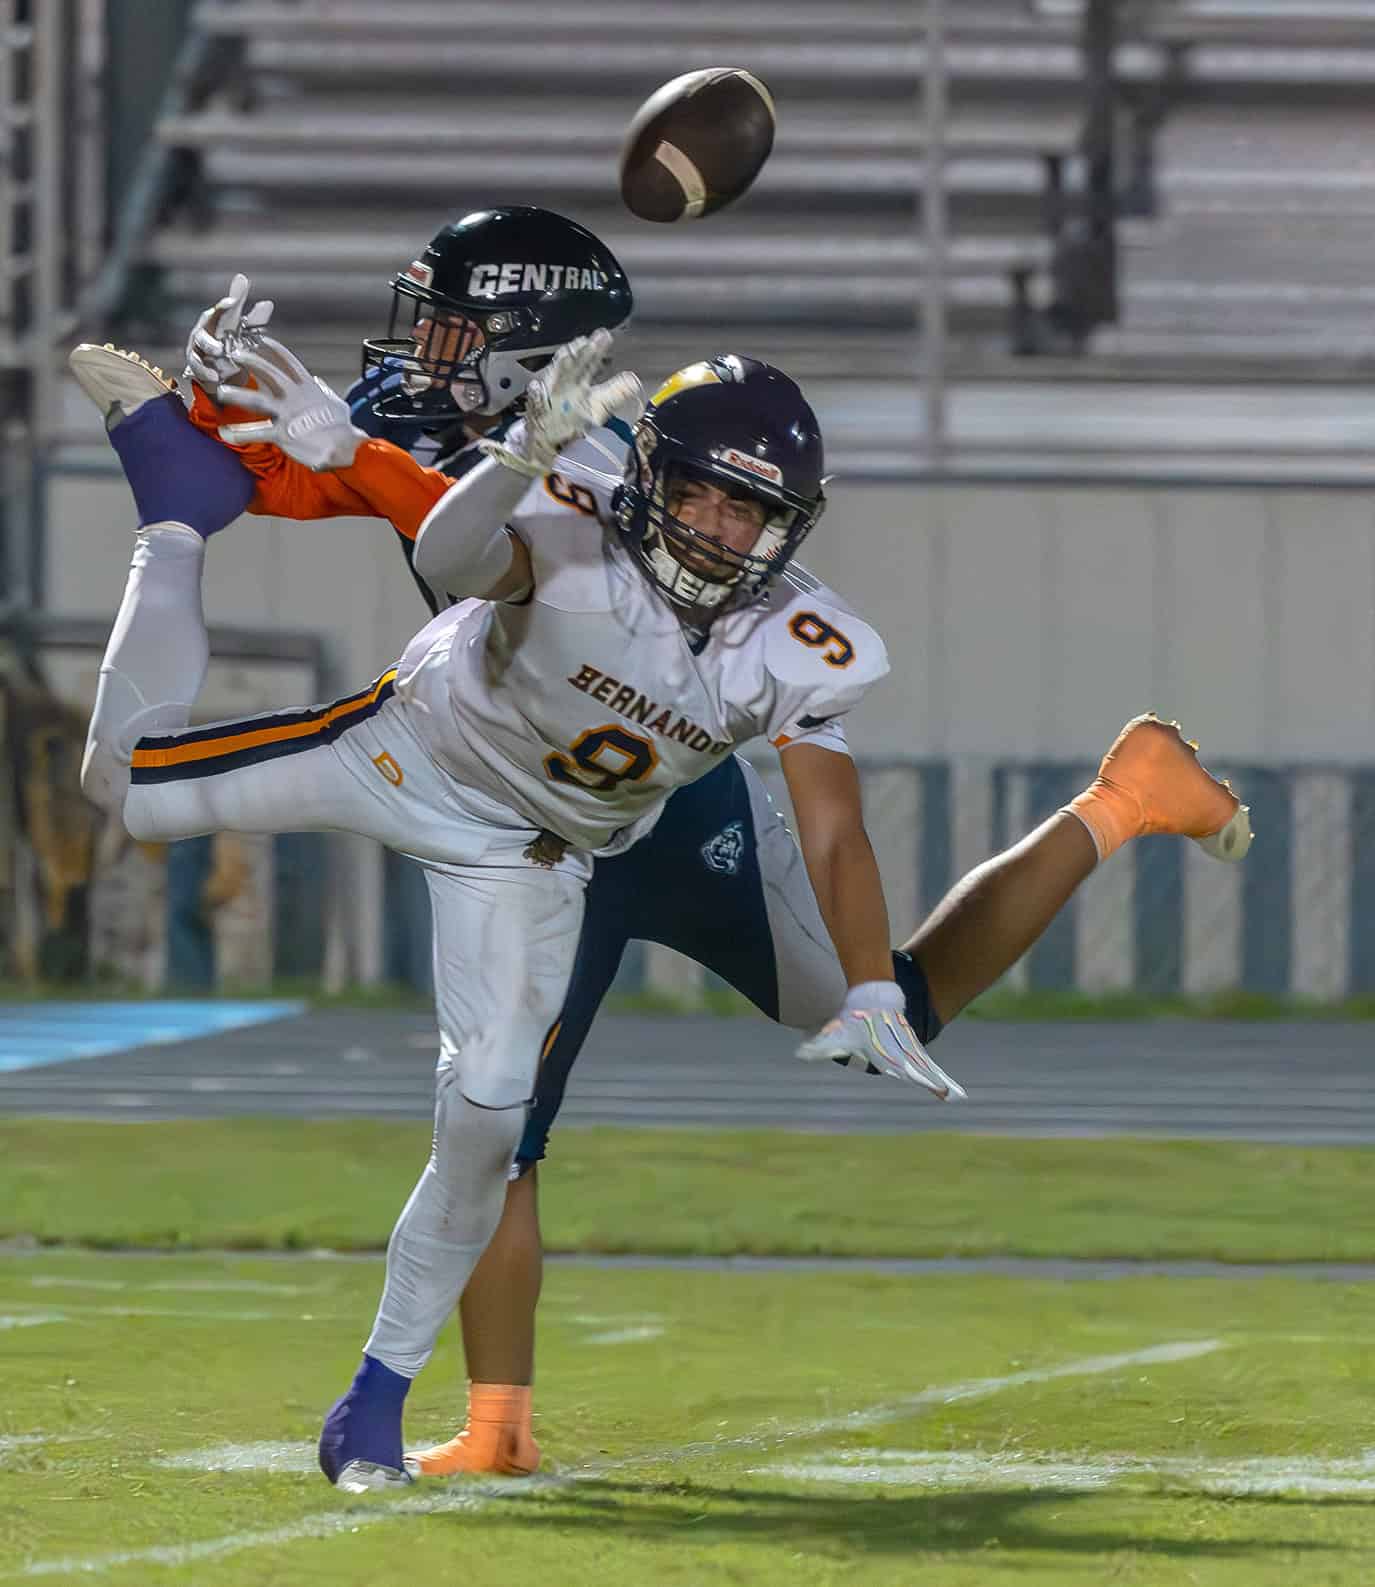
(696,144)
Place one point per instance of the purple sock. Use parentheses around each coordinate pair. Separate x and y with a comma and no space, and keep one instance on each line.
(176,472)
(365,1422)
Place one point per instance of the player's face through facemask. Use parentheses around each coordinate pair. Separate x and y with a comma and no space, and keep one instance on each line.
(711,539)
(718,519)
(447,347)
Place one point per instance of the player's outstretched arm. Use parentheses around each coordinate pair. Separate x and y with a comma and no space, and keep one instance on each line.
(463,545)
(871,1026)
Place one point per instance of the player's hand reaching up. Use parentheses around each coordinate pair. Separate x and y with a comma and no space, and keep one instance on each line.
(305,417)
(871,1030)
(562,404)
(223,328)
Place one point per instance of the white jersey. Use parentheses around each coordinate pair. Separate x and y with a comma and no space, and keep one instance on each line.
(582,708)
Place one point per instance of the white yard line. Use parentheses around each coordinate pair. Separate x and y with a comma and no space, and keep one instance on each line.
(267,1456)
(241,1286)
(72,1310)
(78,1283)
(474,1496)
(625,1319)
(208,1286)
(904,1468)
(625,1336)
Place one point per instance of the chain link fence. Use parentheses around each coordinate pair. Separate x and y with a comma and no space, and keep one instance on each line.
(1160,919)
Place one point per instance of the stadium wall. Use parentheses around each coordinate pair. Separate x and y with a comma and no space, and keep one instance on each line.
(1025,625)
(1021,621)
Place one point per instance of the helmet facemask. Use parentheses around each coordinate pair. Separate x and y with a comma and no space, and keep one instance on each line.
(449,358)
(695,572)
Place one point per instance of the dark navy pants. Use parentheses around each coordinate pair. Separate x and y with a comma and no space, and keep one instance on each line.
(693,885)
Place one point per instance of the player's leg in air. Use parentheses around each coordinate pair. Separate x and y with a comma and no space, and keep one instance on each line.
(721,880)
(321,768)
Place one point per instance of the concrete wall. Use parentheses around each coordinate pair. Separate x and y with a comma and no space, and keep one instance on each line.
(1032,621)
(1021,621)
(1024,624)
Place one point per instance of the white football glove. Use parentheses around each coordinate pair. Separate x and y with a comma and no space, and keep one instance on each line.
(562,404)
(211,347)
(872,1029)
(305,417)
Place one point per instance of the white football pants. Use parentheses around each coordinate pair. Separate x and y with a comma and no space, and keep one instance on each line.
(505,929)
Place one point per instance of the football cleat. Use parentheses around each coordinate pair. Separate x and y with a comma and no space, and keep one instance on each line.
(366,1476)
(119,382)
(360,1443)
(1153,767)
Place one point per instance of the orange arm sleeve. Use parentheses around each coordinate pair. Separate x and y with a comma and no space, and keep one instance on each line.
(381,482)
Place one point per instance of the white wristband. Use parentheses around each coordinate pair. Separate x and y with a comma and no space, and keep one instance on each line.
(875,994)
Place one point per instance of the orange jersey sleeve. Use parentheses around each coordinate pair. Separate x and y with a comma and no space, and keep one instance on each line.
(381,482)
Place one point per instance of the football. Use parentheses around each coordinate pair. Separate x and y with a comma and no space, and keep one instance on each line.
(696,144)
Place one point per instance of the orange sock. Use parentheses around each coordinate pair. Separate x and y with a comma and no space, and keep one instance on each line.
(496,1438)
(1112,816)
(506,1403)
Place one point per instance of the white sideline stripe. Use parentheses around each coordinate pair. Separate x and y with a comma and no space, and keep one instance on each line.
(33,1319)
(627,1319)
(208,1314)
(268,1456)
(946,1469)
(9,1443)
(78,1283)
(625,1336)
(1156,1355)
(949,1469)
(208,1286)
(477,1496)
(242,1286)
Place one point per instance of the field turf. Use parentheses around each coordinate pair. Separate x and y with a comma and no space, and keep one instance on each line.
(158,1411)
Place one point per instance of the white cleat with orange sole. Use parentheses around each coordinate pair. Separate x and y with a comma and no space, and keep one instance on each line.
(119,382)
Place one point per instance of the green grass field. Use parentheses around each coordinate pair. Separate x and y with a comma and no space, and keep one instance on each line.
(158,1412)
(292,1184)
(702,1427)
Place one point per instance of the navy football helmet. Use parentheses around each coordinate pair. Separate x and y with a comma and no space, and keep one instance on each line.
(742,427)
(489,302)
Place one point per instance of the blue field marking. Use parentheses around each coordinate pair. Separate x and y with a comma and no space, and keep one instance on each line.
(52,1033)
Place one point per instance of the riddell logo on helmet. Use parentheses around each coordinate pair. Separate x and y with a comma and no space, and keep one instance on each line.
(416,271)
(753,465)
(493,280)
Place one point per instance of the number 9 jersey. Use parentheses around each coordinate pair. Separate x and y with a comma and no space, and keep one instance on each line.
(583,706)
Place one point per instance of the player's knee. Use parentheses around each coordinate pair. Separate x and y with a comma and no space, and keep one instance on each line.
(484,1137)
(104,777)
(494,1080)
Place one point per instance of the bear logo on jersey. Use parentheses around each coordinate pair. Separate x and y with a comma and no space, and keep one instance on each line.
(725,851)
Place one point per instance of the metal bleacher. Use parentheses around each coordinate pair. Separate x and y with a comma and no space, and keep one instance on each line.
(336,138)
(1249,254)
(320,143)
